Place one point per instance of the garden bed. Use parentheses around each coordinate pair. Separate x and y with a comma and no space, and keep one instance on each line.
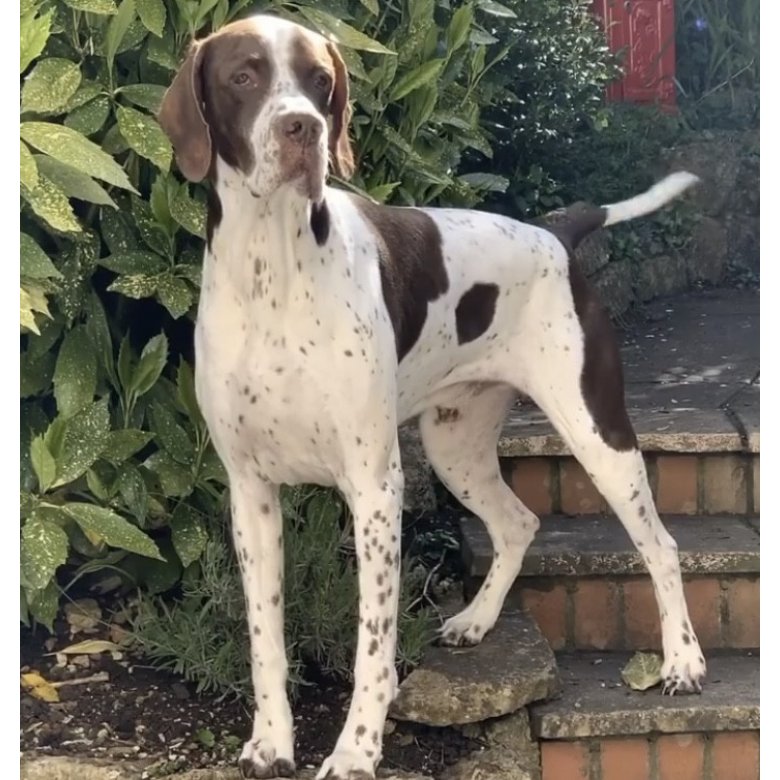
(131,711)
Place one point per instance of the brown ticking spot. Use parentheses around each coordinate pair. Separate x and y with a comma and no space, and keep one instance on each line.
(445,415)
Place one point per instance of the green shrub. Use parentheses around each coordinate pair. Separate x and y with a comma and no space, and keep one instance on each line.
(717,43)
(119,481)
(203,634)
(552,83)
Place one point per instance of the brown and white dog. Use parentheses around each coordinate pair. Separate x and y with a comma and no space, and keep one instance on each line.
(326,320)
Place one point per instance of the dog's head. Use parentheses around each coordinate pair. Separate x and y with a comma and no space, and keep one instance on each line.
(259,94)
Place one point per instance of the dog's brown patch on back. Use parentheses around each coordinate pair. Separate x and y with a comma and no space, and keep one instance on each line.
(602,372)
(229,110)
(475,311)
(411,266)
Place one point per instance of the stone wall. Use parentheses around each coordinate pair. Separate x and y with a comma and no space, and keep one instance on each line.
(725,236)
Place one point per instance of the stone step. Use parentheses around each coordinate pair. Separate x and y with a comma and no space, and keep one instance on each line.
(34,767)
(512,667)
(586,586)
(598,729)
(702,482)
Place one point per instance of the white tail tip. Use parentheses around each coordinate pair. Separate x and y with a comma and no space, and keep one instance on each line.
(657,196)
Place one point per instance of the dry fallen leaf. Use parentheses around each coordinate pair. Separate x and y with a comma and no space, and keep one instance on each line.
(83,616)
(643,671)
(119,634)
(89,646)
(39,687)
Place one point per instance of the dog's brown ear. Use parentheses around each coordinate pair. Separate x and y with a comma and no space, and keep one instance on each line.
(181,117)
(340,147)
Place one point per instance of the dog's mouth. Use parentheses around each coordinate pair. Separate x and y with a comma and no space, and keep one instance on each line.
(307,171)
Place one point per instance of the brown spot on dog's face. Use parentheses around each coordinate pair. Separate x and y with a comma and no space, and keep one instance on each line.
(323,78)
(237,72)
(214,99)
(475,311)
(411,266)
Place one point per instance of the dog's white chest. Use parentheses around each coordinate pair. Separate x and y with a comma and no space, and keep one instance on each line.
(275,369)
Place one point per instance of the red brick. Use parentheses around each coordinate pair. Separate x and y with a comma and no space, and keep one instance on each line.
(744,628)
(703,598)
(677,484)
(531,482)
(643,625)
(548,608)
(624,758)
(564,760)
(735,756)
(596,615)
(725,487)
(578,494)
(680,757)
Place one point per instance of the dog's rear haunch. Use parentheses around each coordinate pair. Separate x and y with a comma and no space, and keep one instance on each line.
(326,320)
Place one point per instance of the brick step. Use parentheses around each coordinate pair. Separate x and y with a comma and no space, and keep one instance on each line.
(703,482)
(598,729)
(586,586)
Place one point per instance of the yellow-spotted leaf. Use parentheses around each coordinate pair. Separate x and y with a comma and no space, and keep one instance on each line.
(33,34)
(34,263)
(152,13)
(112,529)
(72,148)
(104,7)
(342,32)
(73,183)
(145,136)
(44,549)
(28,170)
(90,117)
(51,204)
(50,85)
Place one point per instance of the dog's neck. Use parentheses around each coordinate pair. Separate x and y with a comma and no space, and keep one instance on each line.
(286,217)
(278,242)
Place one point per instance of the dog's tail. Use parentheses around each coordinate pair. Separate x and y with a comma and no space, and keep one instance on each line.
(658,195)
(576,222)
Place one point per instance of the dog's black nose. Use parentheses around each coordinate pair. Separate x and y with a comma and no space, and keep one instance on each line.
(299,128)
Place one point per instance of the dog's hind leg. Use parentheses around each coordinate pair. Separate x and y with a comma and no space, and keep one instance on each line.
(460,442)
(577,381)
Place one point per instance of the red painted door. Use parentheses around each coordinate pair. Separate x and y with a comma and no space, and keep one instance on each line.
(643,30)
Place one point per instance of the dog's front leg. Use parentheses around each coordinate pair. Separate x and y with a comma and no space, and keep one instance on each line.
(257,535)
(376,503)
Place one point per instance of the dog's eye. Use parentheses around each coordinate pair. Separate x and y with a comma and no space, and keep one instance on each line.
(322,81)
(241,79)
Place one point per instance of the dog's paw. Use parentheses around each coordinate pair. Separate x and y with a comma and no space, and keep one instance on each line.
(347,765)
(684,673)
(462,631)
(260,760)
